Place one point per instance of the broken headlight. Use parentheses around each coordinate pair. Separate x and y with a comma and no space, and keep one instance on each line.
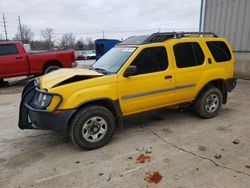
(41,100)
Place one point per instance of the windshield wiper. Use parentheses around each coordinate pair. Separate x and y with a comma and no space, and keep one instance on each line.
(103,71)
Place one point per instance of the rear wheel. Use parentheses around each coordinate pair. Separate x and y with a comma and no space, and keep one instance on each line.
(209,103)
(92,127)
(51,68)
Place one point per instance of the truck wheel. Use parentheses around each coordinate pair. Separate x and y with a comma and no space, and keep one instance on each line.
(92,127)
(50,69)
(208,103)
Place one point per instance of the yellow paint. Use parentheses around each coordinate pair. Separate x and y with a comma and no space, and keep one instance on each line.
(117,86)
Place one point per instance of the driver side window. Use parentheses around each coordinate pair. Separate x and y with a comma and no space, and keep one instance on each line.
(151,60)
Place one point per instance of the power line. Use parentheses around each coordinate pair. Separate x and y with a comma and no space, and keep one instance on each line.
(5,28)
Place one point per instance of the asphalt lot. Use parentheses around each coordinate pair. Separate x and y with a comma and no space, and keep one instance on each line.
(182,148)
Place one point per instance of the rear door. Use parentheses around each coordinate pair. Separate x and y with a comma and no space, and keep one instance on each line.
(189,68)
(12,61)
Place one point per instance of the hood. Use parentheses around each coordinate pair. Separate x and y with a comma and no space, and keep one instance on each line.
(65,76)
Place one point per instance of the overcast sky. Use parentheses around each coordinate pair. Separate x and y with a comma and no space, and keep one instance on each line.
(117,18)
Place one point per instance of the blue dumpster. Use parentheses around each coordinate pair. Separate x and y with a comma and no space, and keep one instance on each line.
(104,45)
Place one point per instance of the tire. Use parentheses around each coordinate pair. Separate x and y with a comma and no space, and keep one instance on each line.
(92,127)
(208,103)
(51,68)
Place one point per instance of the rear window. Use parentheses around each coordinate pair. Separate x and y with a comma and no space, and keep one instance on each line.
(188,54)
(219,50)
(8,49)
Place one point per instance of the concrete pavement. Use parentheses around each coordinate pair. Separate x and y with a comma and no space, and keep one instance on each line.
(182,148)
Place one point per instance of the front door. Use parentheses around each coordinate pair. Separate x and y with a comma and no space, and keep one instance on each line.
(12,63)
(153,85)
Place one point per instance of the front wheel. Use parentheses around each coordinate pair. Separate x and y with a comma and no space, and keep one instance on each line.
(92,127)
(209,103)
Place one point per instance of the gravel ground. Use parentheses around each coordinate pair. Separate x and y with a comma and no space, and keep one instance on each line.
(187,151)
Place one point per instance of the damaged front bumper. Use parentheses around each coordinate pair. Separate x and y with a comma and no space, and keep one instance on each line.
(33,117)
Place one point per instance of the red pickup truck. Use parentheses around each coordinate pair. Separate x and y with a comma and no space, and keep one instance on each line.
(15,61)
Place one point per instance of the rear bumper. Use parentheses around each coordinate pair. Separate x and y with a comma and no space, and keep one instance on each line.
(231,84)
(31,118)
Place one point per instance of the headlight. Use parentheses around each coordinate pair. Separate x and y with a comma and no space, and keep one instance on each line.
(41,100)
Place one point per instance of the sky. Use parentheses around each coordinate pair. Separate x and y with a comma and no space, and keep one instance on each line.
(89,18)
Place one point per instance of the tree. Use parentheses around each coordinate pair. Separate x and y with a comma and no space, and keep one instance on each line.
(24,34)
(89,44)
(67,41)
(79,45)
(48,36)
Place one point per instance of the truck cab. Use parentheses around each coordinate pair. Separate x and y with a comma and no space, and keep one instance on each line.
(13,59)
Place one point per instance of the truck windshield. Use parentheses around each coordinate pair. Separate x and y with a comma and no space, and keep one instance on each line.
(113,60)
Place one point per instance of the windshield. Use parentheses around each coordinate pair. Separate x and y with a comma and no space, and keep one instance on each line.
(113,60)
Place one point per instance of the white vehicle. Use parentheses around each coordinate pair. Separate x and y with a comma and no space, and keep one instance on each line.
(89,54)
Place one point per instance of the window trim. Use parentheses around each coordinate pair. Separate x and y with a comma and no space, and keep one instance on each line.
(17,51)
(167,67)
(230,53)
(204,60)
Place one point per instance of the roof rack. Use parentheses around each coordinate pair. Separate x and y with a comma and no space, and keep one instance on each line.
(161,37)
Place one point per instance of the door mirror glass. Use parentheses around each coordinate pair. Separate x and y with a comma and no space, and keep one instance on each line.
(131,71)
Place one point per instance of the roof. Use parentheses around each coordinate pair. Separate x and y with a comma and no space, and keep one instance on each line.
(161,37)
(10,42)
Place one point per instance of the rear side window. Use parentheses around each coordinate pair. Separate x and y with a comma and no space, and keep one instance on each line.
(188,54)
(151,60)
(219,50)
(8,49)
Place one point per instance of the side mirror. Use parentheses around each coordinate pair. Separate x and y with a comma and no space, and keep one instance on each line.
(131,71)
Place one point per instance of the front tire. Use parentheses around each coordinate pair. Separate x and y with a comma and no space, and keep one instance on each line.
(92,127)
(208,103)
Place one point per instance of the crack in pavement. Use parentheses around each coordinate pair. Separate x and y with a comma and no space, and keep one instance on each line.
(191,153)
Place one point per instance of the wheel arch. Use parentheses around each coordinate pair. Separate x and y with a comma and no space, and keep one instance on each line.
(110,104)
(51,63)
(218,83)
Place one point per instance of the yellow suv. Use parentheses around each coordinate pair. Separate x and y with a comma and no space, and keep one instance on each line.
(140,74)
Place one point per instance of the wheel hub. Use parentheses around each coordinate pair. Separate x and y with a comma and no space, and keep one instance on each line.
(212,103)
(94,129)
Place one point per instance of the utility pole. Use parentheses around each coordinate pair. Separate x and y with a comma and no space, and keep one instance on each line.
(103,34)
(201,15)
(20,28)
(5,28)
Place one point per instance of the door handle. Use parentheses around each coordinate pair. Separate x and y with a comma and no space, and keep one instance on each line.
(19,57)
(209,60)
(168,77)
